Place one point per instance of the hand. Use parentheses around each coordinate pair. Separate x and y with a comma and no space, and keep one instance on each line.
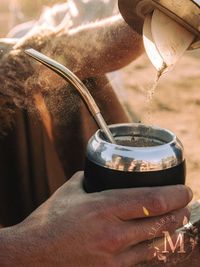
(106,229)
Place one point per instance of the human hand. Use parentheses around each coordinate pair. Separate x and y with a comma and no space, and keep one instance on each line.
(108,229)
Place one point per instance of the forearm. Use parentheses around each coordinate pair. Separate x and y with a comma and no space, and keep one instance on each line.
(102,47)
(90,50)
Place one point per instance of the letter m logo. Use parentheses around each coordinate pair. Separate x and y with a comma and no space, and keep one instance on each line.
(179,243)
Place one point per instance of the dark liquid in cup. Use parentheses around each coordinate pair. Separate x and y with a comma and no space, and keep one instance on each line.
(138,141)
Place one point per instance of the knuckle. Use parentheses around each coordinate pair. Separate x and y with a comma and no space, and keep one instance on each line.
(181,216)
(78,174)
(187,212)
(102,206)
(174,220)
(93,207)
(98,208)
(115,240)
(157,203)
(112,241)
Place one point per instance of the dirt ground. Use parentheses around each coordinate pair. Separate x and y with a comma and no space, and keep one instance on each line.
(175,105)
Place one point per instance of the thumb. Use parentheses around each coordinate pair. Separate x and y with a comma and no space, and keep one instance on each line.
(76,182)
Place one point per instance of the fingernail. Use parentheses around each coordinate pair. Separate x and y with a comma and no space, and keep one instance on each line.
(190,192)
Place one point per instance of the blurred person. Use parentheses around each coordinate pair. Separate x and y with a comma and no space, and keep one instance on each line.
(46,220)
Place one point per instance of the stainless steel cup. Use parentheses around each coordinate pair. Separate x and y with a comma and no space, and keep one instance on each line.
(143,156)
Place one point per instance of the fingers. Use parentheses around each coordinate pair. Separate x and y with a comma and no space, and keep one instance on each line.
(135,255)
(127,204)
(158,249)
(120,237)
(117,237)
(137,231)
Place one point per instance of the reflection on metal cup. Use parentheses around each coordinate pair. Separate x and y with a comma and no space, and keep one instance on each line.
(143,156)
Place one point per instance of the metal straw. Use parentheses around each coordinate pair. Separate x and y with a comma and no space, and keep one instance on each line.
(76,82)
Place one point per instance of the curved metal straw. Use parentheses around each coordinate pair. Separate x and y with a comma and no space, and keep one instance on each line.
(76,82)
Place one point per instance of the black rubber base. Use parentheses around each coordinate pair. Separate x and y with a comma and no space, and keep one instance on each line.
(98,178)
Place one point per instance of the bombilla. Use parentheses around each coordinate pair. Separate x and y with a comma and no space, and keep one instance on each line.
(76,82)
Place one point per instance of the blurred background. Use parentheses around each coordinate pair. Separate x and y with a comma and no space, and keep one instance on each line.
(176,102)
(13,12)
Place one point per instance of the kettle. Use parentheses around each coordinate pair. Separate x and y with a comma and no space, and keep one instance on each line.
(169,28)
(185,12)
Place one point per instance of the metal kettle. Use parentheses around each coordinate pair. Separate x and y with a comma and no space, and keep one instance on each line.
(185,12)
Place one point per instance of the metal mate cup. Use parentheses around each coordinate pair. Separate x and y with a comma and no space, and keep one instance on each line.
(143,156)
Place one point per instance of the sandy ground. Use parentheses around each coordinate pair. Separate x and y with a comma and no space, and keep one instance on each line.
(175,105)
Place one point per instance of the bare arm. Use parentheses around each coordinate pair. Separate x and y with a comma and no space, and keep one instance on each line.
(92,49)
(88,51)
(105,46)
